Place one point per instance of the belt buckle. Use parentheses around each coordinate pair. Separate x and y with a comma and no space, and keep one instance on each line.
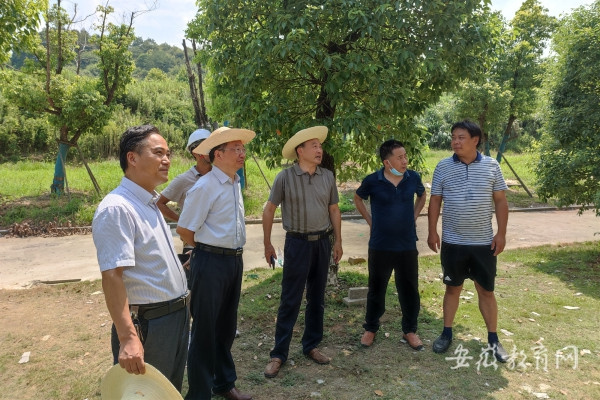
(312,238)
(239,251)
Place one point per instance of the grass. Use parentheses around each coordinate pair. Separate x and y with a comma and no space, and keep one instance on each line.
(69,340)
(25,188)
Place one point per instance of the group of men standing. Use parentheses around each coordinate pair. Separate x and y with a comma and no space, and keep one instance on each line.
(150,297)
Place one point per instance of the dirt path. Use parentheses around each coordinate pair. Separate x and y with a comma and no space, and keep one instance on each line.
(24,261)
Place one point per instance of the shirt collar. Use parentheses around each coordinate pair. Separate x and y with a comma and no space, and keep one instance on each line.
(145,196)
(195,171)
(222,176)
(299,170)
(477,157)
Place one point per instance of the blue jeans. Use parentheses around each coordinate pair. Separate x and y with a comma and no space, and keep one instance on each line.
(305,264)
(405,265)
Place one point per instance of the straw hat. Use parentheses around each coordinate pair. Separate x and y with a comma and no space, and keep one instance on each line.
(118,384)
(224,135)
(198,134)
(316,132)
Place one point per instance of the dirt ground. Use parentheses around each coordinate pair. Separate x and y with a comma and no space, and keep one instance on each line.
(37,320)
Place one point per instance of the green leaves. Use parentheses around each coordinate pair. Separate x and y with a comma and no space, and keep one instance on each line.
(363,68)
(569,166)
(19,21)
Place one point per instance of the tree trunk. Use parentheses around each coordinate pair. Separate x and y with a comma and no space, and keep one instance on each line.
(193,91)
(325,112)
(200,89)
(58,184)
(505,137)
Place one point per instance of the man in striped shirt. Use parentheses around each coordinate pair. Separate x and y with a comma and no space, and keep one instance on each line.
(469,184)
(310,213)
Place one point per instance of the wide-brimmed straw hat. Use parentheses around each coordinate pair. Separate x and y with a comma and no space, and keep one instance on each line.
(224,135)
(316,132)
(118,384)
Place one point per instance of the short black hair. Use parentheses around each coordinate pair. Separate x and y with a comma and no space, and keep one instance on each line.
(132,140)
(470,126)
(211,153)
(387,147)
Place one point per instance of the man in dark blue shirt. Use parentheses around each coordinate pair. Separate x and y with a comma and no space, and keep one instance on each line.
(393,243)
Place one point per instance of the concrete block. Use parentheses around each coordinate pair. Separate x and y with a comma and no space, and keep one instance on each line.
(354,302)
(358,292)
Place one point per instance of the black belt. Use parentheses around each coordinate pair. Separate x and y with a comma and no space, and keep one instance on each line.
(220,250)
(157,310)
(311,236)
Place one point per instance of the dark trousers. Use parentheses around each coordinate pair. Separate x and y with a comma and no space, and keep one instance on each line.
(405,265)
(165,344)
(216,282)
(305,264)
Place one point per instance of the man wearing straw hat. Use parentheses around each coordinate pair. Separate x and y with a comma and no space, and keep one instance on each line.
(177,189)
(213,220)
(309,206)
(143,281)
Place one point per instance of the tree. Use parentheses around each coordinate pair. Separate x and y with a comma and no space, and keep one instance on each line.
(569,166)
(19,20)
(508,91)
(75,104)
(363,68)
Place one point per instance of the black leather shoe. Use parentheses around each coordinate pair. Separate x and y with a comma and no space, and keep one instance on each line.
(441,344)
(499,352)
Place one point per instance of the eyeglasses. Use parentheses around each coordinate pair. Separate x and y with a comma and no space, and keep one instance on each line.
(236,150)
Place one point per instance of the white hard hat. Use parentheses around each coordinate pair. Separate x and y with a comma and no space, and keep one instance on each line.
(198,134)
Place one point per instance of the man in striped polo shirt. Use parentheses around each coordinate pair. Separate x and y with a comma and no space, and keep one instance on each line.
(468,183)
(310,213)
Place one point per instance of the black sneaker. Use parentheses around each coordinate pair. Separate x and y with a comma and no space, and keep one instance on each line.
(441,344)
(499,352)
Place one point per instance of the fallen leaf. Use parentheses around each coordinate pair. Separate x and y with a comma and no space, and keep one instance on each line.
(535,314)
(45,338)
(379,393)
(507,333)
(571,307)
(585,351)
(387,335)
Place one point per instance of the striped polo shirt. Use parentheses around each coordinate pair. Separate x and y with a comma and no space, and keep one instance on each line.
(304,198)
(467,191)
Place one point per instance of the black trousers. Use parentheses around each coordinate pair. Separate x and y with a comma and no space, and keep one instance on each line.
(305,264)
(216,282)
(165,341)
(405,265)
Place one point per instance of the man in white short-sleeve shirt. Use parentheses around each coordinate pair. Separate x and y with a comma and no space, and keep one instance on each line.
(177,190)
(142,277)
